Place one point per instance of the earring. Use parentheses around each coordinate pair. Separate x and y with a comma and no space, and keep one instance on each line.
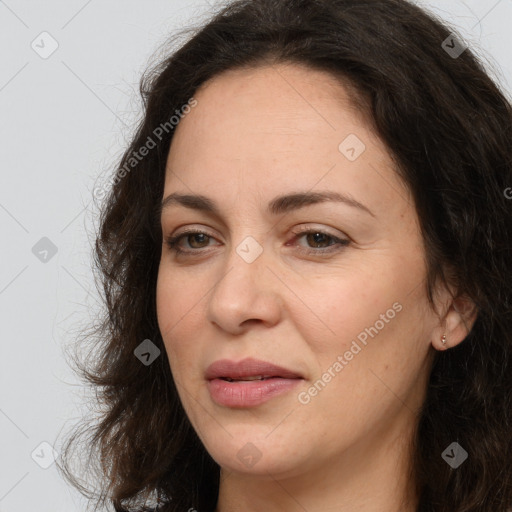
(443,339)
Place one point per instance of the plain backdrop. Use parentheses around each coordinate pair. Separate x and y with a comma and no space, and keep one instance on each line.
(69,100)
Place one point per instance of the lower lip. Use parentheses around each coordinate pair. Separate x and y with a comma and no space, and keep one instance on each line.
(248,393)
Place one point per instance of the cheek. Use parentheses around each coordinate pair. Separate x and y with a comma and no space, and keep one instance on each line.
(166,304)
(175,303)
(178,308)
(342,305)
(380,341)
(372,318)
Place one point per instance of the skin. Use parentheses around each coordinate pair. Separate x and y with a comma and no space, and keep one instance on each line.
(256,134)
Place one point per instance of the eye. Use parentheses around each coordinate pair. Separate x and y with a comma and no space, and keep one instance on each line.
(320,238)
(199,236)
(198,240)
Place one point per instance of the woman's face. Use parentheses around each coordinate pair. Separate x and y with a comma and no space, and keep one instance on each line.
(343,307)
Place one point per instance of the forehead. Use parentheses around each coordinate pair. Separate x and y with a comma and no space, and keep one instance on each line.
(258,131)
(285,100)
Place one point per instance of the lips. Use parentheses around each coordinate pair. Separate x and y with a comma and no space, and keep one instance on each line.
(247,370)
(248,383)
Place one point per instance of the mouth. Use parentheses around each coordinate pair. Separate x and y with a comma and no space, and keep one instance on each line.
(250,392)
(248,383)
(248,369)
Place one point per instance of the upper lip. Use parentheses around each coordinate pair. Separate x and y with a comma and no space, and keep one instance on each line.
(248,367)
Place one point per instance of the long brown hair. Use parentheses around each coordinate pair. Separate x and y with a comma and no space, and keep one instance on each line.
(449,128)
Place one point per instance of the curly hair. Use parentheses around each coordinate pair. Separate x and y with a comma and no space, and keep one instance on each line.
(447,125)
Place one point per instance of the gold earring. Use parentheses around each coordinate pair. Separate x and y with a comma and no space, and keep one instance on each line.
(443,339)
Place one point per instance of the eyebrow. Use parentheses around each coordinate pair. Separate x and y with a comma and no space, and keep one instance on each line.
(278,205)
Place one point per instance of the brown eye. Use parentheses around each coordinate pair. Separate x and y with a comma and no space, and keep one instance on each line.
(197,236)
(196,240)
(320,243)
(318,238)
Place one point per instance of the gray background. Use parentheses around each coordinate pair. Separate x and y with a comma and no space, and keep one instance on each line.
(64,121)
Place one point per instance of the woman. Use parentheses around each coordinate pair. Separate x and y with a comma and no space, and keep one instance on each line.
(307,259)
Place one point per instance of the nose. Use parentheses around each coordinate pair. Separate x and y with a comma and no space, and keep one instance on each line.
(245,292)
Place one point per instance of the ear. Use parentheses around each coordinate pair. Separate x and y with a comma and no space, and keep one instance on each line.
(456,324)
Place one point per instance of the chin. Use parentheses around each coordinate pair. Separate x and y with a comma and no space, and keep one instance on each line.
(253,454)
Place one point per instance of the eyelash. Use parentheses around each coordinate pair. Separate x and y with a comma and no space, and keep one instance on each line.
(172,242)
